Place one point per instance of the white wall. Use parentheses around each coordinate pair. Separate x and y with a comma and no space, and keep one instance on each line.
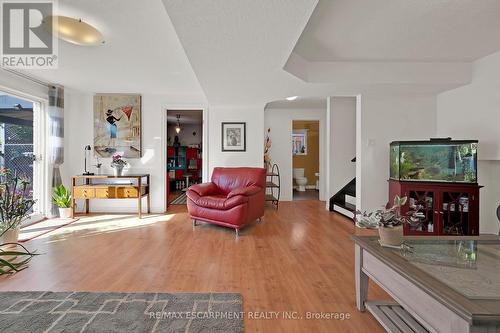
(488,175)
(385,118)
(473,112)
(79,132)
(254,117)
(280,122)
(342,121)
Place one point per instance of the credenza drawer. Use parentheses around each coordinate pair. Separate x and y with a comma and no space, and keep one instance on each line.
(105,192)
(127,192)
(84,192)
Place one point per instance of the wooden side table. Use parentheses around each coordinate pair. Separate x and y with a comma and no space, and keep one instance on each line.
(110,187)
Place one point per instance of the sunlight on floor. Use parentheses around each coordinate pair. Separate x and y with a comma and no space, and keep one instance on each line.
(91,225)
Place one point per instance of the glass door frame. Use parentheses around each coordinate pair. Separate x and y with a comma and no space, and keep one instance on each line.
(41,190)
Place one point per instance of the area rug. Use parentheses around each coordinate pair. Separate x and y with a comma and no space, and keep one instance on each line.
(39,311)
(180,200)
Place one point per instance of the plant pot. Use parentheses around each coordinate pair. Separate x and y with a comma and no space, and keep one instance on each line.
(391,236)
(64,213)
(118,170)
(10,236)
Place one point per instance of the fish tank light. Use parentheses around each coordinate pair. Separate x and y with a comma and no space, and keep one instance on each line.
(438,160)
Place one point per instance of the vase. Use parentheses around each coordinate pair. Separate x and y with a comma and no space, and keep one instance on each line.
(10,236)
(64,213)
(118,170)
(391,236)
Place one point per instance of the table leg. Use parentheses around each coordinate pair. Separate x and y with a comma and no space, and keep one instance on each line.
(361,279)
(72,198)
(149,195)
(87,201)
(139,202)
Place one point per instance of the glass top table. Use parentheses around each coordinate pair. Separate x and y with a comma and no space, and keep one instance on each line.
(470,267)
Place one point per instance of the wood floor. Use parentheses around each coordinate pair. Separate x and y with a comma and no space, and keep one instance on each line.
(299,258)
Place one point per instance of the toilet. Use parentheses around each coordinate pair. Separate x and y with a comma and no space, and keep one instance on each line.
(300,180)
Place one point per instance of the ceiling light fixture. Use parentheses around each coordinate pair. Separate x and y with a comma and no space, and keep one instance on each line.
(178,127)
(291,98)
(74,31)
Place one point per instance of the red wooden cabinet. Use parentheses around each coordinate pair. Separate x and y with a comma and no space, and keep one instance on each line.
(449,208)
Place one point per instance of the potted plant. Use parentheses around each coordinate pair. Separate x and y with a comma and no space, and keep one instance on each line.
(117,164)
(62,199)
(389,221)
(15,205)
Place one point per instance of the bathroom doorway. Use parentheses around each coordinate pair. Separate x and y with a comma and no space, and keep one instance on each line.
(305,159)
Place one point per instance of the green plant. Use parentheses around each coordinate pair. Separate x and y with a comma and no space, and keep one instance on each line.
(15,204)
(13,260)
(389,217)
(61,197)
(15,200)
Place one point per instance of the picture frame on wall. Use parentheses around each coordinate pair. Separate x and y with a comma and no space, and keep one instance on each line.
(117,125)
(234,136)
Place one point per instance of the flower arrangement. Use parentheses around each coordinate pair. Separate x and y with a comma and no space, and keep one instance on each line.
(389,217)
(118,161)
(267,148)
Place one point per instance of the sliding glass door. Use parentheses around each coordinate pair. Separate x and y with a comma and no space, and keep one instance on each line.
(22,143)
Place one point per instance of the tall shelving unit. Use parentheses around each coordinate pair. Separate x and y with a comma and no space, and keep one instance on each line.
(273,184)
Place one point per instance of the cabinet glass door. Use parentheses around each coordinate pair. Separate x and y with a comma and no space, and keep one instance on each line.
(455,213)
(425,201)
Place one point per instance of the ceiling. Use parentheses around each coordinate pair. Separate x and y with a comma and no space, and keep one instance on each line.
(141,54)
(401,30)
(251,52)
(187,116)
(238,48)
(299,103)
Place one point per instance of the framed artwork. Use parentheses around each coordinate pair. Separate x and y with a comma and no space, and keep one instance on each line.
(299,142)
(234,137)
(117,125)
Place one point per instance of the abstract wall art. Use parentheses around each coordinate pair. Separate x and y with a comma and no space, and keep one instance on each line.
(117,125)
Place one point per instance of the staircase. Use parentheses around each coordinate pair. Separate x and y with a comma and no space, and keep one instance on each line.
(344,201)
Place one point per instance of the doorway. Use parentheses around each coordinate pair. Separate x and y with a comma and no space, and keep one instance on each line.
(21,145)
(305,159)
(184,133)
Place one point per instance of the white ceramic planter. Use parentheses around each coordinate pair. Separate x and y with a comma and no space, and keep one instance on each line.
(64,213)
(391,236)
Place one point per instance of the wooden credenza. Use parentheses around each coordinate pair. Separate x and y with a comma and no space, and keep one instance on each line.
(110,187)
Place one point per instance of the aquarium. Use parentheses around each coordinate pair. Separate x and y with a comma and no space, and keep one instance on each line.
(437,160)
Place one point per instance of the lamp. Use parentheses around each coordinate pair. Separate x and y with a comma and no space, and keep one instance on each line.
(178,127)
(87,150)
(73,30)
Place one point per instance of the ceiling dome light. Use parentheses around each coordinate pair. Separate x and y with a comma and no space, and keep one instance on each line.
(291,98)
(74,31)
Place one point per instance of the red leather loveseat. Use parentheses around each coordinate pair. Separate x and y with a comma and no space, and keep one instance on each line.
(234,197)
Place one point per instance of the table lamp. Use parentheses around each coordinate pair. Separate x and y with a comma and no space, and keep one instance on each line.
(87,153)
